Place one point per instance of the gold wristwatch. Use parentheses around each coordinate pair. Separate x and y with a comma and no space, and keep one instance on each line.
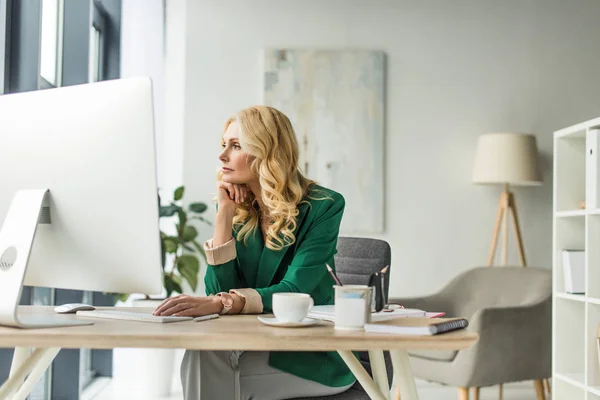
(227,301)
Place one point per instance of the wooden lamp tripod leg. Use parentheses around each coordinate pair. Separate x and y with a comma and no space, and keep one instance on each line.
(513,207)
(501,212)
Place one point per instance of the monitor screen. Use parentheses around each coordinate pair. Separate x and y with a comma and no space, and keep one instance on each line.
(92,148)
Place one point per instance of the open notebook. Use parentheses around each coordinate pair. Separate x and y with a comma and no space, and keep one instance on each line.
(418,326)
(328,313)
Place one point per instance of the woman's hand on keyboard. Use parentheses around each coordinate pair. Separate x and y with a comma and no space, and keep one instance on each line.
(189,306)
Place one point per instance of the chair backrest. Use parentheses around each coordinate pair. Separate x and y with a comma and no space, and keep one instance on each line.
(357,258)
(498,286)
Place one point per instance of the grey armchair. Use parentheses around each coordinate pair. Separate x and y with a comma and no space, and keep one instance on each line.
(355,261)
(511,309)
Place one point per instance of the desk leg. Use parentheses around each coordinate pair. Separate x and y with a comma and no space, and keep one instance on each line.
(379,372)
(34,366)
(19,356)
(363,377)
(403,375)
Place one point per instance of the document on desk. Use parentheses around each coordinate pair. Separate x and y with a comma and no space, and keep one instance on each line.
(327,313)
(409,327)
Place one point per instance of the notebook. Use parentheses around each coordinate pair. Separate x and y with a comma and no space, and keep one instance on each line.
(327,313)
(418,326)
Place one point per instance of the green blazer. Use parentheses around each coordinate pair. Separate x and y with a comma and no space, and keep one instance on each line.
(297,268)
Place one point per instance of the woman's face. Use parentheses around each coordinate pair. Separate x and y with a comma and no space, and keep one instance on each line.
(235,162)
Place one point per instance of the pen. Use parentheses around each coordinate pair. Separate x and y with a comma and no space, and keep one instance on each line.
(335,278)
(206,317)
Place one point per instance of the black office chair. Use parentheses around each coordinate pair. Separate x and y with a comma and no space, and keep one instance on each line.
(356,259)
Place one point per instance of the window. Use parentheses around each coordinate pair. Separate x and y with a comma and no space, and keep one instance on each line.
(4,40)
(51,35)
(97,43)
(44,44)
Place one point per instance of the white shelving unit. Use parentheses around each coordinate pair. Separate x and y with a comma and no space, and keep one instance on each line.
(576,317)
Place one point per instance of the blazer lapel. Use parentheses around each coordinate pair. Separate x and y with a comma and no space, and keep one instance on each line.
(270,260)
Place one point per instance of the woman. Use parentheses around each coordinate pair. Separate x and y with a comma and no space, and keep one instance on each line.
(274,232)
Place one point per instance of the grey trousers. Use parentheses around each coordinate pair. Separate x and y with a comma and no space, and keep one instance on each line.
(237,375)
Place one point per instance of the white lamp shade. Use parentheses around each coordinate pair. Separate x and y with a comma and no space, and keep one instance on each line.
(507,158)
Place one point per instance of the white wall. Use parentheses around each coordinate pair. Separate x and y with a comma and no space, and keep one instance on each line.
(455,70)
(142,47)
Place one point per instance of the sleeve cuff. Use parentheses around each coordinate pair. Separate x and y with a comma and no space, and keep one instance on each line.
(219,254)
(254,304)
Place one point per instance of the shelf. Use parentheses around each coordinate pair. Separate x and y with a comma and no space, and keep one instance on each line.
(569,175)
(575,317)
(572,213)
(593,260)
(575,297)
(572,379)
(577,131)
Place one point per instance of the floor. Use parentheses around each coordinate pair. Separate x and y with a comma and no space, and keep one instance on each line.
(427,391)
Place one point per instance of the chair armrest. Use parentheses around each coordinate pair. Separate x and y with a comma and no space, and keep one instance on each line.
(427,303)
(514,344)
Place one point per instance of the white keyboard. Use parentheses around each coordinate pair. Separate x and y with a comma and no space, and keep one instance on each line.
(131,316)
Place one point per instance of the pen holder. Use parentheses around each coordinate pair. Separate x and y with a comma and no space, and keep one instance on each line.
(352,306)
(377,282)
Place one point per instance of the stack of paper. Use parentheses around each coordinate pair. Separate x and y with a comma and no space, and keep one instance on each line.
(327,313)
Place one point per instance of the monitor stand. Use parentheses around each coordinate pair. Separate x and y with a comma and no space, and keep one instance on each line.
(28,208)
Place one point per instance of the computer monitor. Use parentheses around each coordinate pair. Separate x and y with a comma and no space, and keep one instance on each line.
(78,196)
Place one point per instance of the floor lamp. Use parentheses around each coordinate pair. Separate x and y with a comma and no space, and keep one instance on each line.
(507,159)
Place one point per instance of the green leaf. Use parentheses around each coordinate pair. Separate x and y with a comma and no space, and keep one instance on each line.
(171,245)
(176,278)
(178,193)
(189,233)
(189,267)
(171,285)
(200,249)
(163,251)
(182,218)
(169,211)
(121,296)
(198,207)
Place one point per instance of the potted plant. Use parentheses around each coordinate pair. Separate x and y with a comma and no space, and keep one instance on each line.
(149,372)
(181,254)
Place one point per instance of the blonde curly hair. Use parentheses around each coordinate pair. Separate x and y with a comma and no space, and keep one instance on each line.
(267,136)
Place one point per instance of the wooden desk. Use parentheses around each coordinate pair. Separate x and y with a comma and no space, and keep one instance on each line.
(235,332)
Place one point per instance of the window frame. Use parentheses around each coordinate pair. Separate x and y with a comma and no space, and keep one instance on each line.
(5,10)
(99,24)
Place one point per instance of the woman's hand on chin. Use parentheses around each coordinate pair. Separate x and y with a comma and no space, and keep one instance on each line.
(189,306)
(229,195)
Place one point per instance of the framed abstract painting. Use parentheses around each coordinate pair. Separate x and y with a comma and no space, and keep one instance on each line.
(335,100)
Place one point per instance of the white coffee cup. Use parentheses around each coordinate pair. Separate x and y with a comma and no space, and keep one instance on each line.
(291,307)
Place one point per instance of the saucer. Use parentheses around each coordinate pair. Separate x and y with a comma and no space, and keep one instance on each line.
(271,321)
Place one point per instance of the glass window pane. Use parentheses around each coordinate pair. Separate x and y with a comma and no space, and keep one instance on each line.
(94,72)
(49,41)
